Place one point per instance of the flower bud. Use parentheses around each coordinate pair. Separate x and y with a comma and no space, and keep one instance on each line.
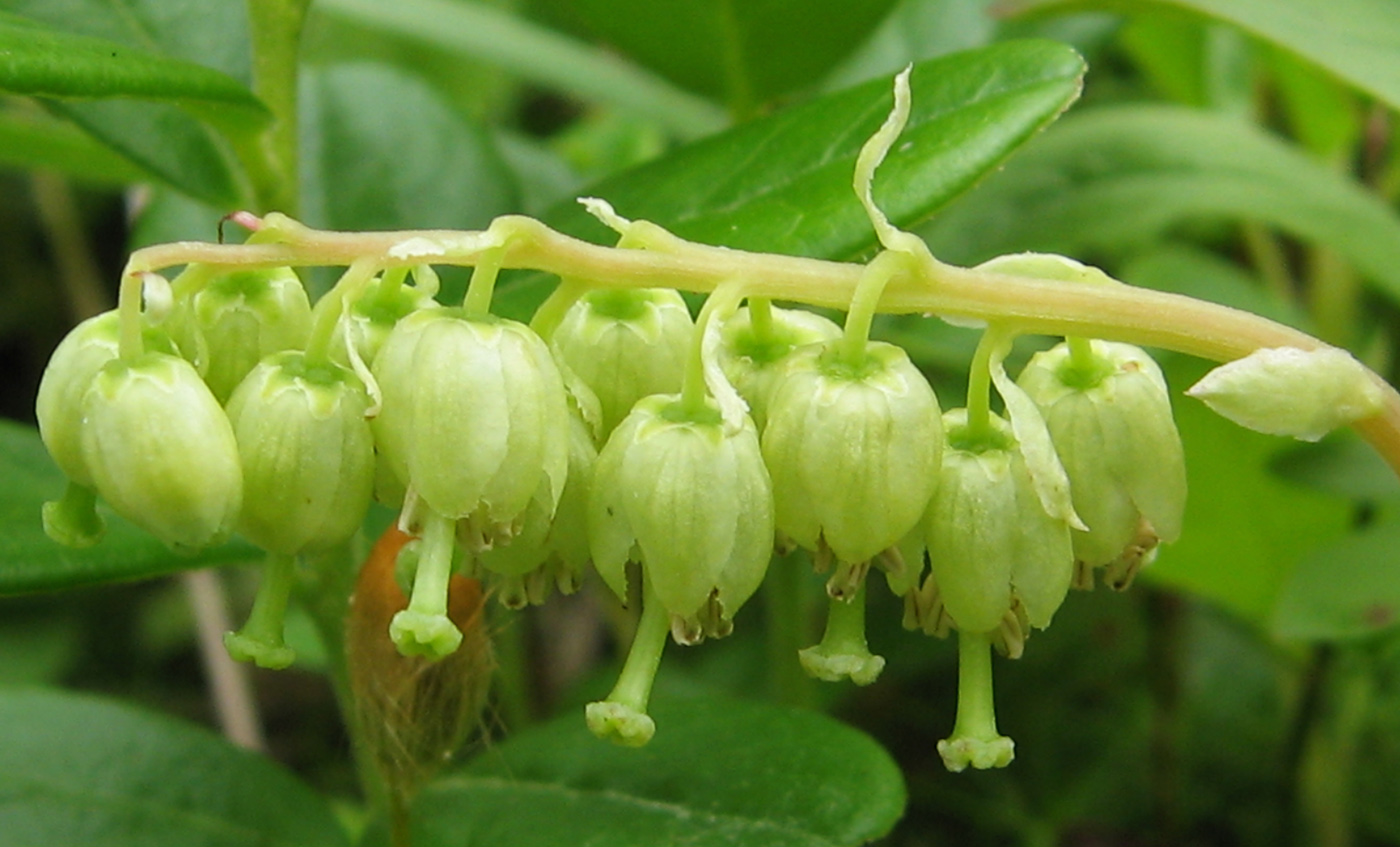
(853,452)
(1110,418)
(237,319)
(626,344)
(1287,391)
(693,503)
(69,374)
(307,453)
(474,414)
(992,546)
(161,450)
(754,359)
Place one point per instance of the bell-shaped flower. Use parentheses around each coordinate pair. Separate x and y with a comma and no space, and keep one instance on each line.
(853,452)
(473,420)
(161,450)
(693,503)
(307,453)
(625,344)
(77,360)
(238,318)
(688,497)
(1110,418)
(996,555)
(369,318)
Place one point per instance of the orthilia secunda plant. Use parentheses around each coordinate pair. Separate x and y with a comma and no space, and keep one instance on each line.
(678,456)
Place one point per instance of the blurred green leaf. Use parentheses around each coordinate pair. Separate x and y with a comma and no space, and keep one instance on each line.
(913,31)
(1345,590)
(31,561)
(1322,113)
(38,141)
(1342,465)
(1358,40)
(163,139)
(719,772)
(43,62)
(77,770)
(381,150)
(480,32)
(741,53)
(1110,180)
(1244,528)
(1194,62)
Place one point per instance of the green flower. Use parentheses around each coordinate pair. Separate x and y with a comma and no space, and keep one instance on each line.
(307,454)
(474,418)
(626,344)
(161,450)
(373,315)
(1110,418)
(853,452)
(228,326)
(996,555)
(693,503)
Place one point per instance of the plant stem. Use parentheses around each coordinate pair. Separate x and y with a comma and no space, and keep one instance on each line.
(865,302)
(275,29)
(350,284)
(976,716)
(761,318)
(477,303)
(552,311)
(633,686)
(979,387)
(694,392)
(1018,304)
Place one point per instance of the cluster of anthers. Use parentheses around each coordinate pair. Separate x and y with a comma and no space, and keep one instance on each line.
(615,429)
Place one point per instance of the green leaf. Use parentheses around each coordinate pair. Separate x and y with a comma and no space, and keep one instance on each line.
(30,561)
(1113,179)
(718,773)
(913,31)
(162,138)
(1346,590)
(43,62)
(381,150)
(476,31)
(78,770)
(1358,40)
(1341,465)
(783,183)
(39,141)
(740,52)
(1244,528)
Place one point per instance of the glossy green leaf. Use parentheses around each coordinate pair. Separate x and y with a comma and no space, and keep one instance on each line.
(31,561)
(1350,589)
(739,52)
(718,773)
(783,183)
(32,141)
(43,62)
(381,150)
(1107,181)
(78,770)
(1244,528)
(1358,40)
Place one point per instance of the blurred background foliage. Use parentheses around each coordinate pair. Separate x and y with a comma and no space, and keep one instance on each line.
(1247,689)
